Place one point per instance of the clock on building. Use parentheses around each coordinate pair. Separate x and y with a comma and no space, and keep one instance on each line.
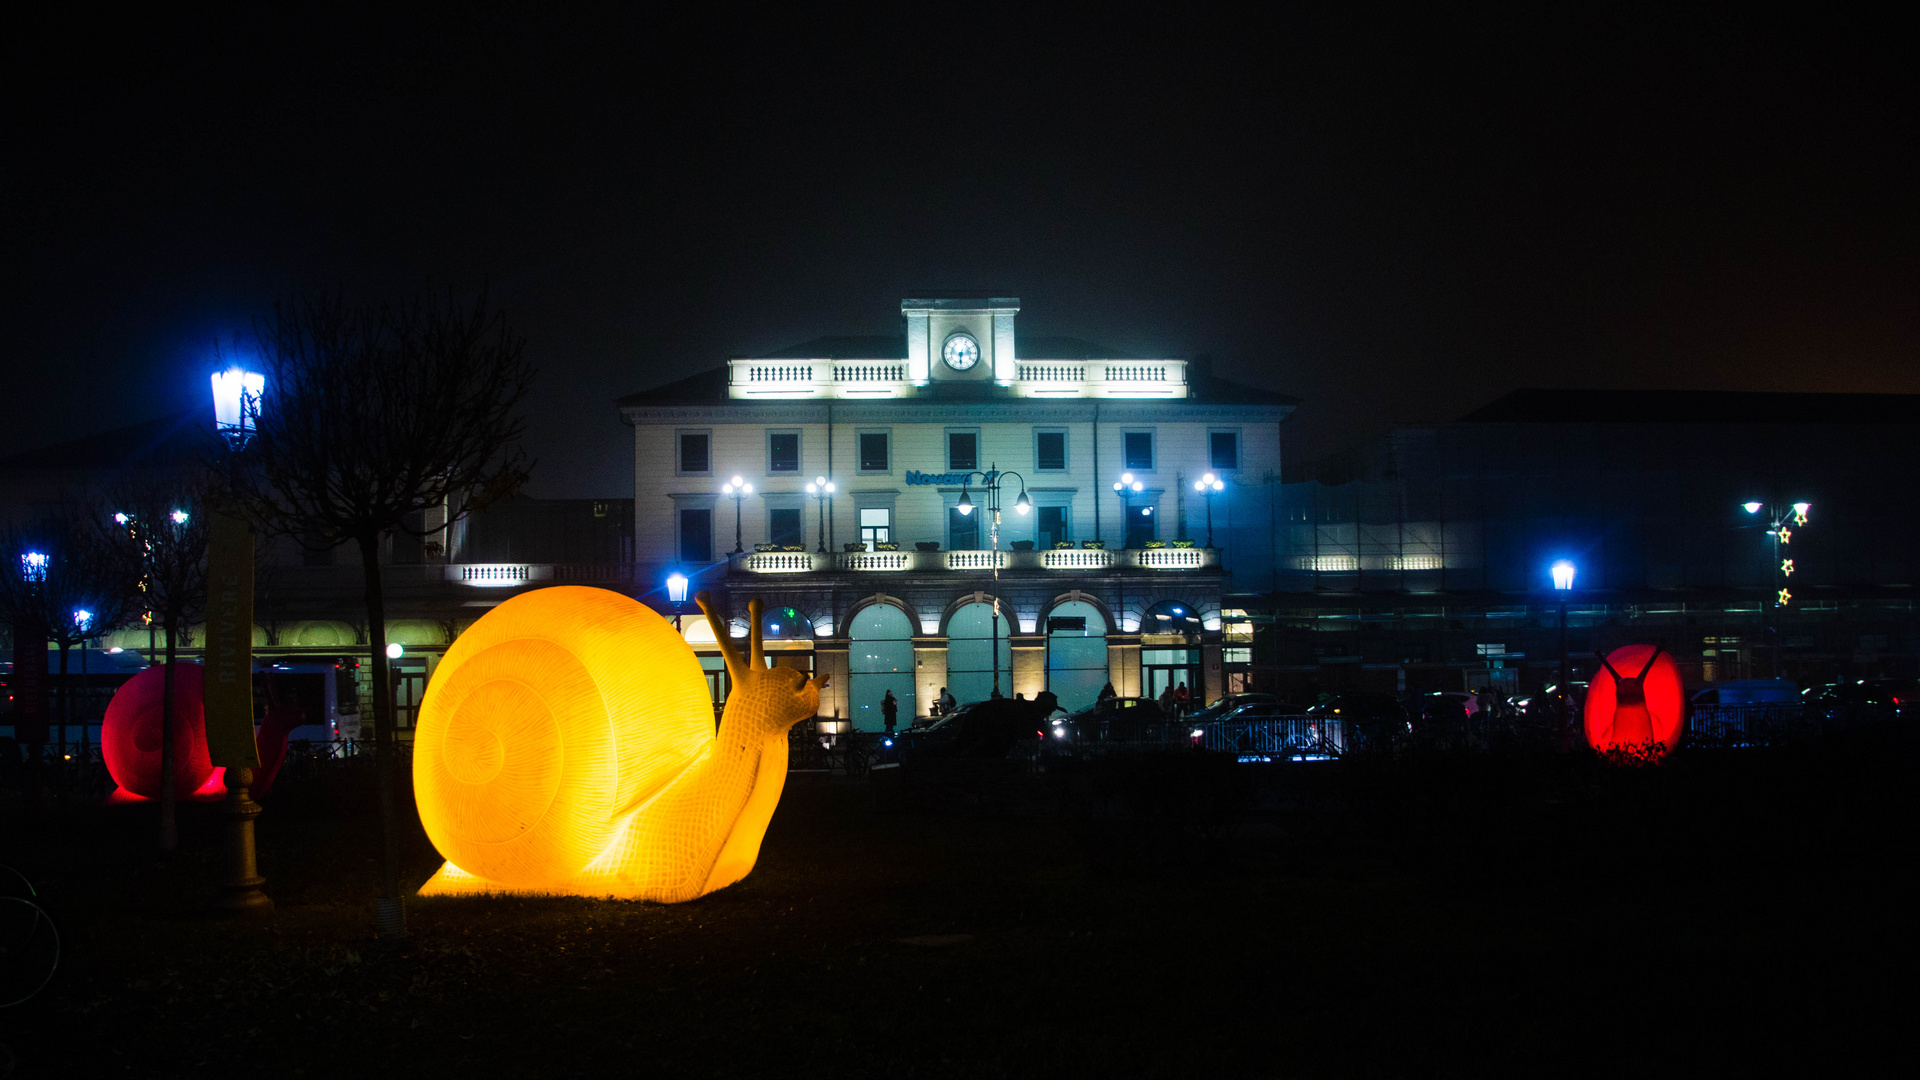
(961,352)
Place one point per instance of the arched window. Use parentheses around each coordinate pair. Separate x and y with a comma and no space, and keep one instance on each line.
(1076,653)
(971,655)
(880,658)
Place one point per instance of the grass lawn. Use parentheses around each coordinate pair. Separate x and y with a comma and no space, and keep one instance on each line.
(1725,913)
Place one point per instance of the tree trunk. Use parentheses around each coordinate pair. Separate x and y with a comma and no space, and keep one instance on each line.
(391,919)
(169,833)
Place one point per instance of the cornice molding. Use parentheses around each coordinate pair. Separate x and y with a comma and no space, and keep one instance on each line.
(912,411)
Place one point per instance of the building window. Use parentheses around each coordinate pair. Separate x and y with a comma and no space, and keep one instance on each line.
(784,527)
(1050,451)
(783,451)
(963,530)
(874,456)
(1141,524)
(1050,527)
(876,525)
(963,451)
(696,453)
(1136,447)
(1223,449)
(696,535)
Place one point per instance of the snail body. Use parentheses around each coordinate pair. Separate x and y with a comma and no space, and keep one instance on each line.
(566,745)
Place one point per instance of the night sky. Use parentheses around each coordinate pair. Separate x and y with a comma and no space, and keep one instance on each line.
(1394,221)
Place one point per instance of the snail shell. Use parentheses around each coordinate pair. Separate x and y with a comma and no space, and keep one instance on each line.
(130,732)
(546,726)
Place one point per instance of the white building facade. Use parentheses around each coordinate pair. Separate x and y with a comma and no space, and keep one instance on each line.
(852,485)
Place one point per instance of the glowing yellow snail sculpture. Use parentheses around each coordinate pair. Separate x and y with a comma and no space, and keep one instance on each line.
(566,746)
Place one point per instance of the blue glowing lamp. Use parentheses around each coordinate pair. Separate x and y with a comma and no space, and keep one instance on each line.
(1751,508)
(677,588)
(1563,575)
(33,566)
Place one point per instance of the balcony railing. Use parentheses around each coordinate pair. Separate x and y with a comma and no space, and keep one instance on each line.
(515,575)
(1064,561)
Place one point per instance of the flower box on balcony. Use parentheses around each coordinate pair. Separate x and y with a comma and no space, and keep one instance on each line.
(1093,545)
(886,545)
(794,547)
(764,548)
(1155,544)
(1064,545)
(1023,545)
(853,545)
(926,545)
(1183,543)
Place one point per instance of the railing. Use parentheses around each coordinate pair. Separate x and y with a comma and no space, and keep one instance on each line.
(1050,372)
(869,372)
(1135,372)
(778,373)
(1170,558)
(1077,559)
(782,562)
(976,560)
(876,560)
(498,575)
(1305,737)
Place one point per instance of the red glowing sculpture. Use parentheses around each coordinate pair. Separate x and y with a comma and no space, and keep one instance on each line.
(130,735)
(1636,704)
(130,738)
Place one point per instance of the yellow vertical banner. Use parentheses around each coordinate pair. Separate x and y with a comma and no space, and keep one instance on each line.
(229,655)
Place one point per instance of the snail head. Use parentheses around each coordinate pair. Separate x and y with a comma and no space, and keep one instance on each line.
(773,698)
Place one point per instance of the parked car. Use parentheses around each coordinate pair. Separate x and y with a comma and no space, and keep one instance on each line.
(1115,719)
(1230,702)
(1368,720)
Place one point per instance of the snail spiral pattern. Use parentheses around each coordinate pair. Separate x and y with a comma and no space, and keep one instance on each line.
(566,745)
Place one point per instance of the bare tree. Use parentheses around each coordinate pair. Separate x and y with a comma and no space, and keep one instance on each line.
(62,580)
(158,527)
(373,414)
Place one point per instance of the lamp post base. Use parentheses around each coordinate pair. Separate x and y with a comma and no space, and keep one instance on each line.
(240,889)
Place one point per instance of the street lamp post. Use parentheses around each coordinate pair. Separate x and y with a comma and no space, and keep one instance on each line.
(236,414)
(821,489)
(1126,487)
(738,489)
(1206,486)
(1563,588)
(1776,594)
(990,482)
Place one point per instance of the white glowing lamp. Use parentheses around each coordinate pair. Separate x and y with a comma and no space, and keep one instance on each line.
(1563,575)
(236,400)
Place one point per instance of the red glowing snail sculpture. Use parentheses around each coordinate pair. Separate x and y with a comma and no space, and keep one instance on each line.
(1636,704)
(130,738)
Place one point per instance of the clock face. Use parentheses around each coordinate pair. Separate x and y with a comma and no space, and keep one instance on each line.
(961,352)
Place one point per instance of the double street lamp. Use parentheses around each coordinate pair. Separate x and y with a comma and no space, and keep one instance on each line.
(1126,487)
(821,489)
(737,489)
(990,482)
(1207,486)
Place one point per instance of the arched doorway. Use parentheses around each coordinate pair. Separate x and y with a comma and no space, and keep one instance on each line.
(880,658)
(1076,653)
(1170,649)
(971,656)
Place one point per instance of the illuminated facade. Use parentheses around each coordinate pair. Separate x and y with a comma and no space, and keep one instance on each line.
(887,582)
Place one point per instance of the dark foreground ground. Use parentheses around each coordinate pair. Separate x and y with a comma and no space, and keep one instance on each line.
(1731,913)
